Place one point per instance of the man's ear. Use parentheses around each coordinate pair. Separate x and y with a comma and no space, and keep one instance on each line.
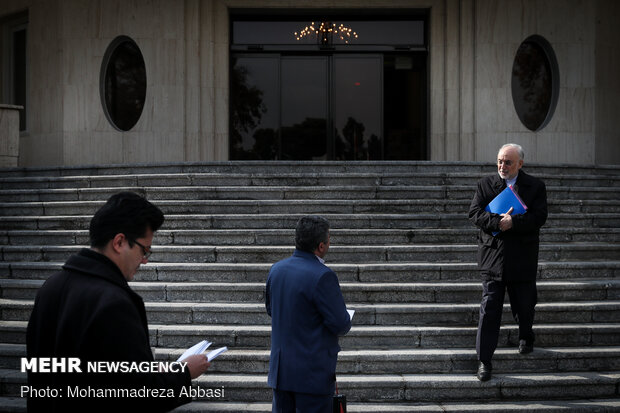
(117,242)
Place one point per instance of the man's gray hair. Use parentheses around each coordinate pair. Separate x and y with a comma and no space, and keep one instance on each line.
(311,230)
(518,147)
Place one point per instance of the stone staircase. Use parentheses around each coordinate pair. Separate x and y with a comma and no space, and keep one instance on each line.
(405,255)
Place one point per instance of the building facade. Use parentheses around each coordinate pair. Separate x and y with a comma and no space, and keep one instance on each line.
(118,82)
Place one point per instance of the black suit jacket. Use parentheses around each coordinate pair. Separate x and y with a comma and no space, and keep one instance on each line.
(88,311)
(511,255)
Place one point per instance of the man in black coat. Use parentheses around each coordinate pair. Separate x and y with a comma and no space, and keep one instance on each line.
(88,311)
(508,260)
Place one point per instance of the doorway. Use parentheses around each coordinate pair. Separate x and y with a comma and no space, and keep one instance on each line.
(324,100)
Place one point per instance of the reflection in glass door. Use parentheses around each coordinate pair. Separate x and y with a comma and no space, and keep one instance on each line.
(328,107)
(255,108)
(358,107)
(304,107)
(318,96)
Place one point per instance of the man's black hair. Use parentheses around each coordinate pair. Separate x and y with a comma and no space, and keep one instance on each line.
(310,232)
(124,213)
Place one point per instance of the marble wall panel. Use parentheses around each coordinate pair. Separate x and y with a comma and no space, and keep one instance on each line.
(607,96)
(528,141)
(9,136)
(488,144)
(41,149)
(453,146)
(576,63)
(494,64)
(566,21)
(565,147)
(152,147)
(81,147)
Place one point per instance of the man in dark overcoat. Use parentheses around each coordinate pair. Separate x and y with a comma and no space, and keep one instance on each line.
(88,311)
(507,261)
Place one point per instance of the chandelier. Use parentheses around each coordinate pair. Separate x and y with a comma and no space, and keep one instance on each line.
(325,31)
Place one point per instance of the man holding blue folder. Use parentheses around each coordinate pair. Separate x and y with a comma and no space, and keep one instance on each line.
(507,250)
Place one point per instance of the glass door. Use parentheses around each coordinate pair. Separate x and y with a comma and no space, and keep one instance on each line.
(304,107)
(349,86)
(358,107)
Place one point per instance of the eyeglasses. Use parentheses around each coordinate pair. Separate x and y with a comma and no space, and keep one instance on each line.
(146,253)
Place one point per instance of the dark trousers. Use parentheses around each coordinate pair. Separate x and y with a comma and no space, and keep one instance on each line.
(523,298)
(291,402)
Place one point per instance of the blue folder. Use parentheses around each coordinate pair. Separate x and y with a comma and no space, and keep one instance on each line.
(505,200)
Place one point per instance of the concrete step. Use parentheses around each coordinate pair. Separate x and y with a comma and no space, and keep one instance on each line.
(364,337)
(428,292)
(339,237)
(318,192)
(386,177)
(411,387)
(368,273)
(546,406)
(441,387)
(425,361)
(305,168)
(287,221)
(54,208)
(18,405)
(398,361)
(383,314)
(337,254)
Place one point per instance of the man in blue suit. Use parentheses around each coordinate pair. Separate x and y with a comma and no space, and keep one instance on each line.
(308,314)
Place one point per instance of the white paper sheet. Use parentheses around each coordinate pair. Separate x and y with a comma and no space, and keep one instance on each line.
(213,354)
(197,348)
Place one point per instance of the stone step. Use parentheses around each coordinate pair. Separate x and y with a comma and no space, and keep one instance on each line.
(288,221)
(384,314)
(327,192)
(278,179)
(398,361)
(367,273)
(381,314)
(18,405)
(546,406)
(428,292)
(371,206)
(386,388)
(305,168)
(422,361)
(440,387)
(297,207)
(284,237)
(364,337)
(337,254)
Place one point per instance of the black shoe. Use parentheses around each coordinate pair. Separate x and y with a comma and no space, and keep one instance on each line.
(525,348)
(484,371)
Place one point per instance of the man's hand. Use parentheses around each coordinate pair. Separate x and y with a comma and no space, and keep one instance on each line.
(197,364)
(506,222)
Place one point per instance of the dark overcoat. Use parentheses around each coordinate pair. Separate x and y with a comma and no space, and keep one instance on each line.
(88,311)
(511,255)
(308,313)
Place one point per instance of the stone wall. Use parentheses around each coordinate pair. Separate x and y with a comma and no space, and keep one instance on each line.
(9,135)
(607,149)
(185,44)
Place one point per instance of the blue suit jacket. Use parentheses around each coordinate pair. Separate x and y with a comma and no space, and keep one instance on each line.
(308,314)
